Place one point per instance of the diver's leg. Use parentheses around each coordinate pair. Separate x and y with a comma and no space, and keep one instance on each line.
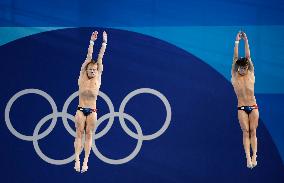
(90,125)
(244,123)
(80,123)
(253,121)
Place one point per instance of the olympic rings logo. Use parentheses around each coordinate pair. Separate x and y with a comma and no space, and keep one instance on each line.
(110,116)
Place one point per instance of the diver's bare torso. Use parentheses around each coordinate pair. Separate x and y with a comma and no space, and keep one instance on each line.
(244,88)
(88,91)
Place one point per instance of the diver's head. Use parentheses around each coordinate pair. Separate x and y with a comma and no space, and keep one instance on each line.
(243,65)
(92,69)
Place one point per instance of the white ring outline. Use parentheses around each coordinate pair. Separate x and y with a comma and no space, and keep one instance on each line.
(64,115)
(35,141)
(135,151)
(14,98)
(153,92)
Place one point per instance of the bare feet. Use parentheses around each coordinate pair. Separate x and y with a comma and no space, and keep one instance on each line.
(85,166)
(249,163)
(77,166)
(254,162)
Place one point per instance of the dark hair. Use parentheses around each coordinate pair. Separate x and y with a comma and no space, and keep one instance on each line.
(242,62)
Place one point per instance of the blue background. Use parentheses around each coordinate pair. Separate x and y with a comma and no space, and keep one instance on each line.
(182,49)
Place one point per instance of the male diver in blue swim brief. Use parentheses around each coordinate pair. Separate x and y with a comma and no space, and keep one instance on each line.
(86,111)
(243,80)
(248,109)
(89,84)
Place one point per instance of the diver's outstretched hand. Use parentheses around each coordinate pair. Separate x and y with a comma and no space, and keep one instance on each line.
(94,36)
(104,37)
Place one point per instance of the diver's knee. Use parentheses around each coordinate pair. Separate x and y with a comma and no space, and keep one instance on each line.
(88,134)
(79,133)
(253,132)
(246,132)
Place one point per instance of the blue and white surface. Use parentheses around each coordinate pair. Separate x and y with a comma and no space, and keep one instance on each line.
(182,49)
